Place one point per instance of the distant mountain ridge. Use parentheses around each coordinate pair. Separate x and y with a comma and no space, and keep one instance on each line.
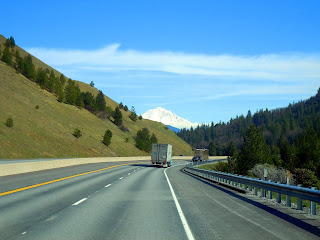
(166,117)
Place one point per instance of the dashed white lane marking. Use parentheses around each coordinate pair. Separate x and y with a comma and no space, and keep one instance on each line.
(121,178)
(80,201)
(128,173)
(181,215)
(23,233)
(108,185)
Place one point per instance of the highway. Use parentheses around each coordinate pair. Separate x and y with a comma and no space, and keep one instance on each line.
(135,201)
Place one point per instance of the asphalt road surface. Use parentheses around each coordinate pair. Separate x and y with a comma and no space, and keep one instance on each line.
(135,201)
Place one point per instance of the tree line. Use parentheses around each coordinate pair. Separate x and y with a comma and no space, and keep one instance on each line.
(286,137)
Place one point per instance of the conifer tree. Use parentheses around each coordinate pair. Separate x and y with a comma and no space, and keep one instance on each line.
(7,56)
(19,62)
(143,140)
(117,115)
(253,151)
(29,69)
(101,102)
(10,42)
(153,139)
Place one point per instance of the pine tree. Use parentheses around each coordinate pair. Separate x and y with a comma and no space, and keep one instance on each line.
(7,56)
(29,69)
(72,93)
(89,102)
(101,102)
(41,77)
(10,42)
(133,115)
(308,151)
(153,139)
(19,62)
(62,79)
(51,82)
(143,140)
(212,149)
(117,115)
(253,151)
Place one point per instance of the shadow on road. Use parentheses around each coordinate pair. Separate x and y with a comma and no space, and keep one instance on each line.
(295,221)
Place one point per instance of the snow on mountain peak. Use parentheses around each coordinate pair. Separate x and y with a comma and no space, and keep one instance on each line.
(166,117)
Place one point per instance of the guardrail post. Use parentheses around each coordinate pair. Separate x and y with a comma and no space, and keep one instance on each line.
(313,205)
(299,201)
(269,193)
(255,191)
(263,193)
(288,201)
(278,196)
(244,186)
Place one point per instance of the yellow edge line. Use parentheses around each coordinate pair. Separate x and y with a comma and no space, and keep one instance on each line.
(57,180)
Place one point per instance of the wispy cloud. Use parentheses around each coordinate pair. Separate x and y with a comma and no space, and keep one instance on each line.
(277,67)
(191,81)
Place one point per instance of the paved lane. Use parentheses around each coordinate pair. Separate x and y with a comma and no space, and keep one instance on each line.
(127,202)
(214,212)
(135,202)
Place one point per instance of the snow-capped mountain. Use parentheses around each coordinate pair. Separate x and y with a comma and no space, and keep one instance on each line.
(168,118)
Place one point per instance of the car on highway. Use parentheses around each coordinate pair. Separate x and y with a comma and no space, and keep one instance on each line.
(196,159)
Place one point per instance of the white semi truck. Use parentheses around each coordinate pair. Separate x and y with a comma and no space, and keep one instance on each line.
(161,154)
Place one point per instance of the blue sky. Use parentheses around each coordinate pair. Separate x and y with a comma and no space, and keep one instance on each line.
(203,60)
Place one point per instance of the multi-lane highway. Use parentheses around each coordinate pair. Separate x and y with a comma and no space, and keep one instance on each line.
(136,201)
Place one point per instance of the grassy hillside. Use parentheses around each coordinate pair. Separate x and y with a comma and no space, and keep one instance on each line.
(47,131)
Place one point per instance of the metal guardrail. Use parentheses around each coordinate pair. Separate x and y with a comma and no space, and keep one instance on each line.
(253,184)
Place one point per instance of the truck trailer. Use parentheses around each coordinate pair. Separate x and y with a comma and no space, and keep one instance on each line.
(201,154)
(161,154)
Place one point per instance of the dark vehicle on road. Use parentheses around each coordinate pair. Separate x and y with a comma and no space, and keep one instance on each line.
(196,159)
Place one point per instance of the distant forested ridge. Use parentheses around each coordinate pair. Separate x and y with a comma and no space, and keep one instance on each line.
(283,123)
(291,134)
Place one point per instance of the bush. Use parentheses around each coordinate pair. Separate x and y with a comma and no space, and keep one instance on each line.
(77,133)
(123,128)
(37,107)
(104,115)
(306,178)
(275,174)
(219,167)
(222,167)
(107,138)
(9,122)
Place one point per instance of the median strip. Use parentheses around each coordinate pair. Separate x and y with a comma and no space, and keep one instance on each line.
(58,180)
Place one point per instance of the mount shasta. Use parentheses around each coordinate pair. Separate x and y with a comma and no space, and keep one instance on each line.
(166,117)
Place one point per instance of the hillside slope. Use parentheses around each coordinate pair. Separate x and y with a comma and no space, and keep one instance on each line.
(47,131)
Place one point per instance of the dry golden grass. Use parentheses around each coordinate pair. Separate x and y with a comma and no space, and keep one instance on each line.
(47,131)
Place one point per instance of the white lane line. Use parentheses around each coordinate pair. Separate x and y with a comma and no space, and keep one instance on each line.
(128,173)
(80,201)
(108,185)
(121,178)
(23,233)
(181,215)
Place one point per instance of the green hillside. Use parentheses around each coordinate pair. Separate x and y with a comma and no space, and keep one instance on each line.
(47,130)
